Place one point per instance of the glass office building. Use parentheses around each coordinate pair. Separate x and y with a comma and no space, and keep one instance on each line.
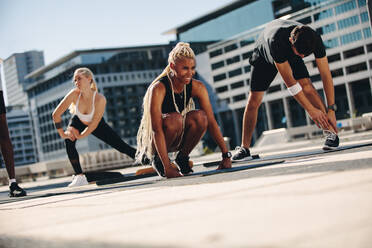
(344,26)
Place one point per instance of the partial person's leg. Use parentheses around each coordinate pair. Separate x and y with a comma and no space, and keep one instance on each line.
(196,124)
(250,116)
(105,133)
(6,147)
(7,152)
(261,77)
(172,127)
(72,153)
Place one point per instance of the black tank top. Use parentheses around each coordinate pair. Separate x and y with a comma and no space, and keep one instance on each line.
(168,105)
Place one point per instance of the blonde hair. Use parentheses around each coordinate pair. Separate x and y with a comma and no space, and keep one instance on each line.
(93,85)
(145,134)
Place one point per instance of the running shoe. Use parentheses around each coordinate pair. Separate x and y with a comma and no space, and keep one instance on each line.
(158,165)
(242,154)
(183,165)
(78,180)
(16,191)
(332,141)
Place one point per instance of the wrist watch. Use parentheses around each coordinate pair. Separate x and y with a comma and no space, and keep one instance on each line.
(226,155)
(332,107)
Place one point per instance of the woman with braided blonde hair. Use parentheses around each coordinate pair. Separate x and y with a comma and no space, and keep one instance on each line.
(170,122)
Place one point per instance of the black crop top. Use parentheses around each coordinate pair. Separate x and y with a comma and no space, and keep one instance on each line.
(168,105)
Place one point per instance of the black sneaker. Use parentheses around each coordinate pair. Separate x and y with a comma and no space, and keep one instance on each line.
(332,141)
(158,165)
(182,163)
(145,160)
(242,154)
(16,191)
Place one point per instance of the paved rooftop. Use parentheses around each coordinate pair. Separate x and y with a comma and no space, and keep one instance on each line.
(321,200)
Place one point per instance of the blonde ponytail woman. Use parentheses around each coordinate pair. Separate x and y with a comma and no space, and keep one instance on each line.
(87,107)
(170,123)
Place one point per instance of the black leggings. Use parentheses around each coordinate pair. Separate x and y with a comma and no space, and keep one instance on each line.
(103,132)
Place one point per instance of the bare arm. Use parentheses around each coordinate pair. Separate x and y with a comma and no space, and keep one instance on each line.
(157,94)
(325,74)
(201,93)
(61,108)
(316,115)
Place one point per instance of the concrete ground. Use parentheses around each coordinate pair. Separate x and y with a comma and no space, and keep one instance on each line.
(321,200)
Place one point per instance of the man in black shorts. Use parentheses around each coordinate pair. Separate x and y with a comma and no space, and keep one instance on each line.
(281,47)
(7,151)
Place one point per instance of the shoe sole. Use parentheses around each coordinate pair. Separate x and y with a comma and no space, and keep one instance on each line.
(243,159)
(329,148)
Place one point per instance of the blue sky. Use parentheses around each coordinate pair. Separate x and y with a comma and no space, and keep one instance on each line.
(59,27)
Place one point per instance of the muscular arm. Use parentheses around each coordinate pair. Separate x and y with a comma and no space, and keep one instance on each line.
(325,74)
(316,115)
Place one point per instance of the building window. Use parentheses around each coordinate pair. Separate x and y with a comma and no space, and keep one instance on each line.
(334,57)
(323,15)
(232,60)
(356,68)
(369,47)
(235,72)
(353,52)
(239,98)
(247,69)
(326,29)
(247,55)
(361,3)
(230,48)
(364,17)
(351,37)
(348,22)
(221,89)
(367,33)
(215,53)
(337,73)
(237,85)
(315,78)
(345,7)
(331,43)
(218,65)
(246,42)
(219,77)
(305,20)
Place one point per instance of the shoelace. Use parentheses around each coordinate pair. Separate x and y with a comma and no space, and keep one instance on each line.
(329,135)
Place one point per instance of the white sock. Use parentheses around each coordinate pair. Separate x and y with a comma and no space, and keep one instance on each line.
(13,180)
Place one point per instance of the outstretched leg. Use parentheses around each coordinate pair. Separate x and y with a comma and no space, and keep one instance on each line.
(105,133)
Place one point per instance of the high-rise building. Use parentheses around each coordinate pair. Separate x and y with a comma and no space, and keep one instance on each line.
(15,68)
(345,30)
(21,134)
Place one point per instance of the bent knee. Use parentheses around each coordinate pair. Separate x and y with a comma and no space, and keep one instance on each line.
(172,122)
(199,117)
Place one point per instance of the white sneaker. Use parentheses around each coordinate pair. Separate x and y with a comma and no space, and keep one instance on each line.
(78,180)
